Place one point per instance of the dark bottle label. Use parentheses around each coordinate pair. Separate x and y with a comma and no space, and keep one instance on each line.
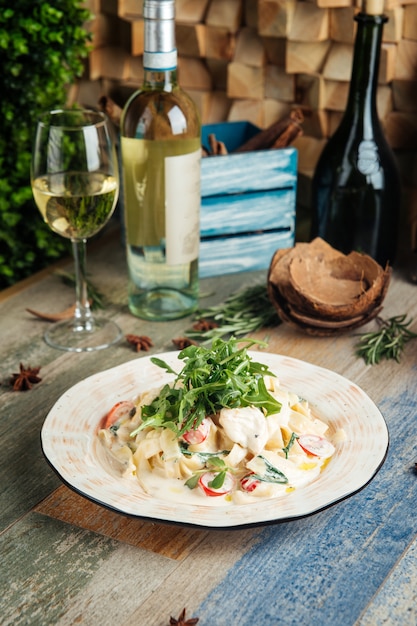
(368,160)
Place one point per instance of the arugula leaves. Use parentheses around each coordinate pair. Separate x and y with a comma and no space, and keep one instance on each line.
(211,379)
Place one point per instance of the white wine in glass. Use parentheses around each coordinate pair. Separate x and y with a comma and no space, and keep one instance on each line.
(74,178)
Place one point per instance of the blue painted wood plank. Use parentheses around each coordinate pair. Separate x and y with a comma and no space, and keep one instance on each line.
(396,602)
(248,212)
(252,171)
(290,577)
(251,192)
(229,255)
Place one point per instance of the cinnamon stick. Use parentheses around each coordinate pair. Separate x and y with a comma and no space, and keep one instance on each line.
(217,147)
(287,137)
(54,317)
(278,135)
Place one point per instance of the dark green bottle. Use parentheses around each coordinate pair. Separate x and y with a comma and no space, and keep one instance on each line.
(356,192)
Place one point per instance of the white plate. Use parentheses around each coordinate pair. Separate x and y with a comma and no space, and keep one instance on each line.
(70,444)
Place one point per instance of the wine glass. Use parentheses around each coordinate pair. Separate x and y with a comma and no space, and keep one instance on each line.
(74,178)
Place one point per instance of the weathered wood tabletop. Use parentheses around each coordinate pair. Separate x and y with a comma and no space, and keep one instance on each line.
(66,560)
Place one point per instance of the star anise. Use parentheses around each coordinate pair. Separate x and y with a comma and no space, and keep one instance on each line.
(183,342)
(182,621)
(140,342)
(203,324)
(26,378)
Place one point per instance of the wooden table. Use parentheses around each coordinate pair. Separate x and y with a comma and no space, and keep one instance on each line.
(65,560)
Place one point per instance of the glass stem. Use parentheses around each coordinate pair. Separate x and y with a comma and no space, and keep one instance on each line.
(83,318)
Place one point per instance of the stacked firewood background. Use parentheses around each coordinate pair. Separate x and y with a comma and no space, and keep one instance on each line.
(258,60)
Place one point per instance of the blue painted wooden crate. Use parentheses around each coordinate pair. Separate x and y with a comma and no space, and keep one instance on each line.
(247,203)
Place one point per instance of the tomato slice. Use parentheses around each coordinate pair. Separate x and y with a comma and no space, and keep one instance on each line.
(199,434)
(206,478)
(121,410)
(249,482)
(316,446)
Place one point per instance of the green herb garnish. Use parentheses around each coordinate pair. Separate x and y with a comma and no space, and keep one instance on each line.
(272,474)
(243,312)
(203,455)
(218,480)
(388,342)
(290,444)
(211,379)
(192,482)
(220,466)
(213,464)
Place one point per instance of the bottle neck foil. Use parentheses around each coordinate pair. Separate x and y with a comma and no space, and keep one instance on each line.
(160,53)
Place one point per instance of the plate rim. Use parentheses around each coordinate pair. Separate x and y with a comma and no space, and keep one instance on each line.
(182,521)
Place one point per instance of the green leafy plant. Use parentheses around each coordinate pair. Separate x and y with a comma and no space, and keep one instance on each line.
(42,46)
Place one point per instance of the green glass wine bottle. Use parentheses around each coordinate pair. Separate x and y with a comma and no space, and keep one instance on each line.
(356,191)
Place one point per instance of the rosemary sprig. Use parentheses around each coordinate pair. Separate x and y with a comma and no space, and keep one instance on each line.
(241,313)
(96,297)
(388,342)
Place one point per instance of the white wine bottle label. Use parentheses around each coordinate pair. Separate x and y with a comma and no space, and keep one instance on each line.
(182,207)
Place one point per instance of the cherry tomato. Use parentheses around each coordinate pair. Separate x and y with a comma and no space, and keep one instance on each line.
(249,483)
(121,410)
(316,446)
(199,434)
(205,480)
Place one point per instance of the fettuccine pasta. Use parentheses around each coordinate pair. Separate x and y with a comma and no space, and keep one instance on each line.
(236,454)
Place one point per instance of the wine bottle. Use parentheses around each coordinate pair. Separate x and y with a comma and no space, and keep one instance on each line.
(161,154)
(356,193)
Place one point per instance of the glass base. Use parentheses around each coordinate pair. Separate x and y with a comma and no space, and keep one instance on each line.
(68,335)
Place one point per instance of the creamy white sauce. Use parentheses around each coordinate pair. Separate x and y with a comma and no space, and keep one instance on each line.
(154,459)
